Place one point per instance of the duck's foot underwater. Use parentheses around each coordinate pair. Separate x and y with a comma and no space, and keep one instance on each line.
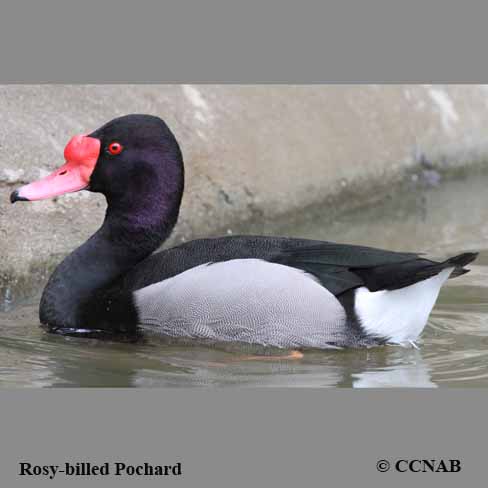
(292,355)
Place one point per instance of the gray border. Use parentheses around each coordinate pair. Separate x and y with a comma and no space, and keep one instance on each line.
(247,437)
(232,41)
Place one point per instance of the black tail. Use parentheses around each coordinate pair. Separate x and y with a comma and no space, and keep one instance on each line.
(394,276)
(342,267)
(459,262)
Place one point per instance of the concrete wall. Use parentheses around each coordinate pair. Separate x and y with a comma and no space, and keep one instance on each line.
(251,152)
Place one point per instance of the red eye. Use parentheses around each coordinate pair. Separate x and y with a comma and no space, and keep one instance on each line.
(115,148)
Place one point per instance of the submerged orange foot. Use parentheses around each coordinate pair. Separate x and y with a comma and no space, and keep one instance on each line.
(294,355)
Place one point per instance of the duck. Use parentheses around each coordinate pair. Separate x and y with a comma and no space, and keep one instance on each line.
(282,292)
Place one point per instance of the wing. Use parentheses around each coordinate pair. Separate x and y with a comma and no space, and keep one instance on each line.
(338,267)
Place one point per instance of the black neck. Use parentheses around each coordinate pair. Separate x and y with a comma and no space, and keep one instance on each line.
(128,235)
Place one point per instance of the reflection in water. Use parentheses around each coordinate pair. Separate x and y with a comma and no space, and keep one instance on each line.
(412,372)
(454,347)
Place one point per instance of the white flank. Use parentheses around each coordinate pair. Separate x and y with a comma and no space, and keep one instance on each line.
(399,315)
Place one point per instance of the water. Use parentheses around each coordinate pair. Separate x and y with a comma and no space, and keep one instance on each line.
(453,349)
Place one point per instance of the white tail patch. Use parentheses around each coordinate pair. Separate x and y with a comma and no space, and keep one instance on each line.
(399,315)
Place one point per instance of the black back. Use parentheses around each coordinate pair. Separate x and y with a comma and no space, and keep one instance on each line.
(339,267)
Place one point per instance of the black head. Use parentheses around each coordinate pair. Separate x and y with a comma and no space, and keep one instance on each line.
(139,157)
(134,160)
